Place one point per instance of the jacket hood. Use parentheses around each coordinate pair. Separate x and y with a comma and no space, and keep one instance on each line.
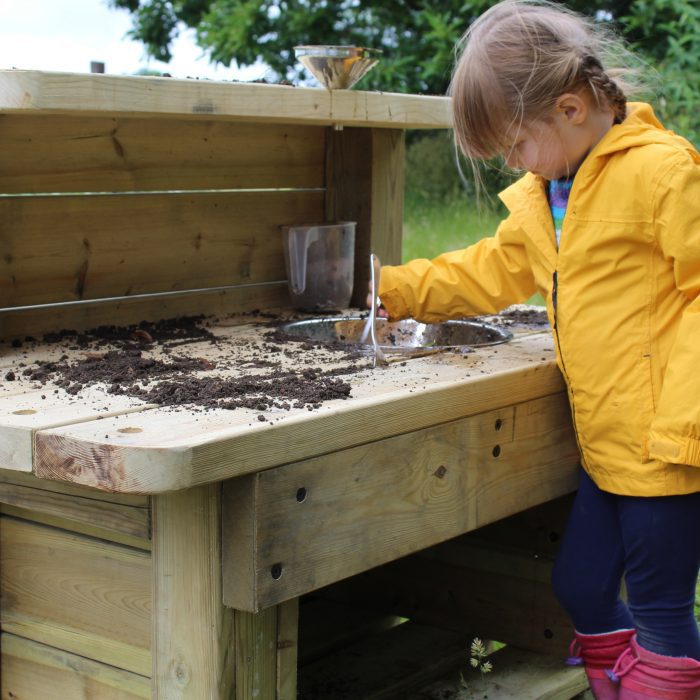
(640,128)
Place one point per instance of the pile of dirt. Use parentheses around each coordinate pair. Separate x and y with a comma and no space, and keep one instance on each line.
(173,331)
(272,370)
(525,315)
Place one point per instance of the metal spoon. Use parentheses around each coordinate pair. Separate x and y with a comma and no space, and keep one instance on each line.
(379,357)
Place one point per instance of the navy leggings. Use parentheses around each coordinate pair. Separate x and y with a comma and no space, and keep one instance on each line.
(654,542)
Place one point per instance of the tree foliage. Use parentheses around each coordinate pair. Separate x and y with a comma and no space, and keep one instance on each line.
(668,33)
(417,38)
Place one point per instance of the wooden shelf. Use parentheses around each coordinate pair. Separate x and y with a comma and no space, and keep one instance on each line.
(77,93)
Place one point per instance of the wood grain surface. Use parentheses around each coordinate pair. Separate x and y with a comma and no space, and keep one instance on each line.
(31,91)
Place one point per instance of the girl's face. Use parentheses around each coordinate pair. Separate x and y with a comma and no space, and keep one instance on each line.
(543,148)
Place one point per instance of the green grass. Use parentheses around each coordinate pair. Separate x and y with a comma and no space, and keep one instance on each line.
(431,228)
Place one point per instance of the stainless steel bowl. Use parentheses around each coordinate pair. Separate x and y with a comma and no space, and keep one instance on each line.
(404,336)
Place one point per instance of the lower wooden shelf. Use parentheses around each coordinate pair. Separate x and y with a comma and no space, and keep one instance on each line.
(517,675)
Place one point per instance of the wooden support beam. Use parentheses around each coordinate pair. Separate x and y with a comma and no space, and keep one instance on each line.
(266,653)
(365,184)
(291,530)
(192,631)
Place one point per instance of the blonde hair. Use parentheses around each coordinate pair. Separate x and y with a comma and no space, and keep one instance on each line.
(514,62)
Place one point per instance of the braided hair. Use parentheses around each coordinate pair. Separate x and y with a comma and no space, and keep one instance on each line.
(602,87)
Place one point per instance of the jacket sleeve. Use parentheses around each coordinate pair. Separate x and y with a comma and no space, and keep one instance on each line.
(674,435)
(483,278)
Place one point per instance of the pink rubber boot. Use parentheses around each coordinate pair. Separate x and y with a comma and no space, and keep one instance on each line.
(598,654)
(644,675)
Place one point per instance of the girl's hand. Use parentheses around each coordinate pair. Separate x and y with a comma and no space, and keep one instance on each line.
(381,311)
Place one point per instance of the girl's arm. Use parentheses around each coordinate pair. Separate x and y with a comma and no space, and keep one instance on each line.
(484,278)
(675,431)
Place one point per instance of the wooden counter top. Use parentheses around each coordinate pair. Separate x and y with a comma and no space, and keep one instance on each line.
(121,444)
(94,94)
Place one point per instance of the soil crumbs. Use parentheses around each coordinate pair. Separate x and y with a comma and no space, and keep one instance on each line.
(181,362)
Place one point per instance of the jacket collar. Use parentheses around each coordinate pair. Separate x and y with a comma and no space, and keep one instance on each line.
(526,200)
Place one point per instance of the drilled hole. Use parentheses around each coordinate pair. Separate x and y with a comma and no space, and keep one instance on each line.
(276,571)
(548,634)
(499,424)
(301,495)
(554,536)
(496,451)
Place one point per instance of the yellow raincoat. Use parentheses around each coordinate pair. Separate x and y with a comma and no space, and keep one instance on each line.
(622,294)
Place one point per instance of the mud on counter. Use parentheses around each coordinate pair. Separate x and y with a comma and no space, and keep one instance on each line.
(178,388)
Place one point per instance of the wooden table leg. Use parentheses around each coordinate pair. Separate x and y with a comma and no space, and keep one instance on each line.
(266,653)
(192,630)
(201,649)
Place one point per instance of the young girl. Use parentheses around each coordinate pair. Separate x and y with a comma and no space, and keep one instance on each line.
(606,226)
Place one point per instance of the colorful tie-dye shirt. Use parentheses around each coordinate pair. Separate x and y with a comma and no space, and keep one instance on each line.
(558,193)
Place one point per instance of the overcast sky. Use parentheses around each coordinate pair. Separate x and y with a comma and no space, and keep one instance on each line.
(66,35)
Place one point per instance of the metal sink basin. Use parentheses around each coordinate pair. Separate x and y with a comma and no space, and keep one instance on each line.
(407,336)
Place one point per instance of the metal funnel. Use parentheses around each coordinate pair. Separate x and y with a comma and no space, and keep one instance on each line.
(337,67)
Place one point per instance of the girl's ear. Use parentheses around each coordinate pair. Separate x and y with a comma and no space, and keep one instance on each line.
(572,107)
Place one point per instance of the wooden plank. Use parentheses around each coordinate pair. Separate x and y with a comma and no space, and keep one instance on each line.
(256,655)
(31,91)
(57,521)
(192,631)
(287,649)
(365,184)
(322,520)
(79,594)
(33,670)
(77,153)
(517,675)
(175,450)
(75,248)
(28,480)
(129,310)
(22,415)
(104,515)
(386,666)
(239,550)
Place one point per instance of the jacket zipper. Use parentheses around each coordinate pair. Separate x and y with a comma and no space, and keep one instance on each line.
(555,283)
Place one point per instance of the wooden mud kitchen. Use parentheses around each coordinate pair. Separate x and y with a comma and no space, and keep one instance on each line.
(348,549)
